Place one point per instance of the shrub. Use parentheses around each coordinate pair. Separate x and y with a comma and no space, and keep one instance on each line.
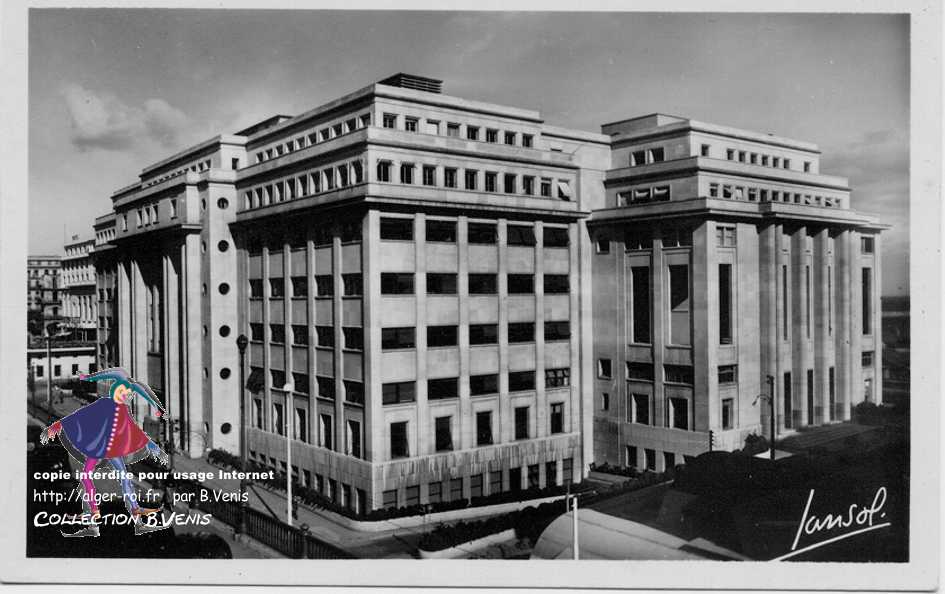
(755,444)
(606,467)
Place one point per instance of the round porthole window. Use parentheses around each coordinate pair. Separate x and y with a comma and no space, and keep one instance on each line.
(223,203)
(225,373)
(224,288)
(203,204)
(225,428)
(223,246)
(224,331)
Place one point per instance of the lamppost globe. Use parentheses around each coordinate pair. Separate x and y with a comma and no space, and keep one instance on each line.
(242,342)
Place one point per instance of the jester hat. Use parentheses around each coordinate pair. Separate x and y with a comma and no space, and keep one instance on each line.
(119,377)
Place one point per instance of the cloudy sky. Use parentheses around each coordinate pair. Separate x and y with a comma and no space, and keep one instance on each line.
(112,91)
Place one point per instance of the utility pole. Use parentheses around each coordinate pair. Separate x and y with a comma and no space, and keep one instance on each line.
(773,409)
(574,528)
(49,374)
(288,389)
(241,343)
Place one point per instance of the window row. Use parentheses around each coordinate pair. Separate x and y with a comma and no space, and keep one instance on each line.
(752,194)
(474,180)
(198,167)
(148,214)
(479,334)
(310,183)
(353,337)
(454,489)
(761,159)
(640,410)
(300,430)
(676,374)
(313,137)
(643,195)
(440,231)
(324,385)
(324,285)
(438,127)
(445,283)
(479,385)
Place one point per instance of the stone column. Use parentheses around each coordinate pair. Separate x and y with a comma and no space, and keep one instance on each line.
(422,428)
(192,332)
(541,399)
(172,359)
(124,316)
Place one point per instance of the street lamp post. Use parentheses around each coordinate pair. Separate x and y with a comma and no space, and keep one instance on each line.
(288,388)
(49,374)
(241,342)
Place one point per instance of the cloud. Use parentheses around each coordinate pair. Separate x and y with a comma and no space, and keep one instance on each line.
(102,121)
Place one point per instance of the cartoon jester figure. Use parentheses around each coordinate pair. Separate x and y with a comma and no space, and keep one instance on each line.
(104,431)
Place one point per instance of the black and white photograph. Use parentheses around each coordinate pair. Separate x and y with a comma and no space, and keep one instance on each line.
(474,290)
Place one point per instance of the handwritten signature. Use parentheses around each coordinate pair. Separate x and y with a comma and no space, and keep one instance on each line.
(856,517)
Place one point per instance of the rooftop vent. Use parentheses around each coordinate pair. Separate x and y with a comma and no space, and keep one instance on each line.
(412,81)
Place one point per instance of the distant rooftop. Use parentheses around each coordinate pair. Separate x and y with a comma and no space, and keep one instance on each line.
(266,123)
(412,81)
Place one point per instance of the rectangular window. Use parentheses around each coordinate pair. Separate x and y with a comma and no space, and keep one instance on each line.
(677,374)
(256,332)
(452,130)
(784,299)
(383,171)
(443,388)
(556,237)
(639,409)
(521,332)
(483,384)
(728,374)
(604,369)
(325,335)
(301,425)
(605,401)
(510,138)
(354,338)
(527,140)
(533,477)
(398,440)
(353,284)
(728,410)
(528,185)
(449,177)
(483,334)
(557,378)
(324,285)
(495,481)
(398,338)
(397,229)
(442,336)
(443,440)
(406,173)
(810,396)
(472,132)
(640,371)
(725,304)
(492,135)
(521,422)
(277,333)
(481,233)
(638,158)
(329,175)
(484,428)
(354,392)
(521,380)
(867,300)
(640,281)
(787,163)
(433,127)
(679,304)
(469,177)
(299,286)
(410,124)
(435,492)
(441,231)
(439,283)
(557,331)
(276,287)
(807,300)
(278,424)
(397,283)
(398,392)
(520,284)
(704,150)
(456,489)
(483,284)
(832,393)
(679,413)
(390,120)
(299,335)
(523,235)
(867,245)
(557,283)
(508,183)
(429,175)
(866,359)
(491,181)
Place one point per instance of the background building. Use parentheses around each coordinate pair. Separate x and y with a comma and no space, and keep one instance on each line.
(79,303)
(896,350)
(106,278)
(724,257)
(43,286)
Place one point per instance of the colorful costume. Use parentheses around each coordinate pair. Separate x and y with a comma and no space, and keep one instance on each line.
(105,431)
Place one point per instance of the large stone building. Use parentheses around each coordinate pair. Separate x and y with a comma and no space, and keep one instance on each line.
(106,283)
(724,257)
(43,286)
(435,291)
(79,303)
